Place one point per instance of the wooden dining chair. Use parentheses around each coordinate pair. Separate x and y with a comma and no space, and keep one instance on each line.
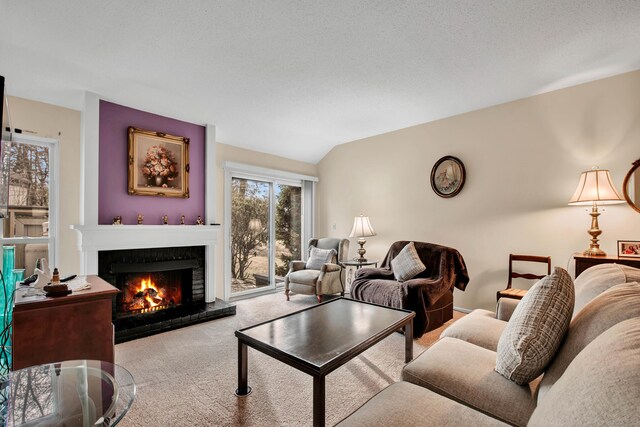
(516,293)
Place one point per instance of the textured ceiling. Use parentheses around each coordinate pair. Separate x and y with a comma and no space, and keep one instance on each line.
(296,78)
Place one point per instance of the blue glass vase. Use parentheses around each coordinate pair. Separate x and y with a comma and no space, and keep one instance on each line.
(8,264)
(6,308)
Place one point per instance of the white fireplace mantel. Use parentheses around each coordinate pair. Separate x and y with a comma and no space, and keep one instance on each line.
(113,237)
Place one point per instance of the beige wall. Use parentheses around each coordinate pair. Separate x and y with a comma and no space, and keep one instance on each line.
(63,124)
(523,160)
(228,153)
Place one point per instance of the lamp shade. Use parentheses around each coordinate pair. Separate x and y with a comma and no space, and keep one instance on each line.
(362,227)
(595,186)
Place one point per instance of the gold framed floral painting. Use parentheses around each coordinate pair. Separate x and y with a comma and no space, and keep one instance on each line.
(158,164)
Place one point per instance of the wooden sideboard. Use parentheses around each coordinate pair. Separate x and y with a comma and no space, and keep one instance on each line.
(75,326)
(583,262)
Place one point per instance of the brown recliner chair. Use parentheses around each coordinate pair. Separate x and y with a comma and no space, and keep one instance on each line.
(429,294)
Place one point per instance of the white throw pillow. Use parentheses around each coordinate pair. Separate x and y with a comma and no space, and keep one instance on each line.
(319,257)
(406,265)
(536,328)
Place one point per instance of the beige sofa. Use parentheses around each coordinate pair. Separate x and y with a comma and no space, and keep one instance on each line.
(593,380)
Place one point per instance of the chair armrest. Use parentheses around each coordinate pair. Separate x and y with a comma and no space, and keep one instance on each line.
(505,308)
(373,273)
(297,265)
(330,267)
(432,288)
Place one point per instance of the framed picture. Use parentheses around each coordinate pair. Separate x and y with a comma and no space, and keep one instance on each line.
(628,249)
(158,164)
(448,176)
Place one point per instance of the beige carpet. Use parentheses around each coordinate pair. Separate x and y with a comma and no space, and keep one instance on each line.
(187,377)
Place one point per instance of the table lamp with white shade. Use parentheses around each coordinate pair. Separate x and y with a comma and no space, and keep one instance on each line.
(595,188)
(362,228)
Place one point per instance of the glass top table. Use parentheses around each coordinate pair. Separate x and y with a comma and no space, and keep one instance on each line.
(71,393)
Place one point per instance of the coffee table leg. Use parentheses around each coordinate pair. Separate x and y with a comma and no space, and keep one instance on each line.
(243,370)
(408,342)
(318,401)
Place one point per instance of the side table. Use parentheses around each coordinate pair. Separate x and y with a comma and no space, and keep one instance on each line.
(352,265)
(71,327)
(584,262)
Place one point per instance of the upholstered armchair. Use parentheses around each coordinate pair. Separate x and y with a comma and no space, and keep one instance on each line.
(316,277)
(429,293)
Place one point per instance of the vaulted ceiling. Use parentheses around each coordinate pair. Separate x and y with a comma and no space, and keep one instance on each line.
(295,78)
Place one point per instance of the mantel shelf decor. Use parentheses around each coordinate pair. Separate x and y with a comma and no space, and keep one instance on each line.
(158,164)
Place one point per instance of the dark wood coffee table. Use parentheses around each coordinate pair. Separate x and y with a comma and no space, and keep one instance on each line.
(322,338)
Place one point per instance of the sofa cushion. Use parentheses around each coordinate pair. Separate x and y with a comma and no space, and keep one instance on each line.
(601,386)
(536,329)
(597,279)
(465,372)
(407,264)
(406,404)
(480,327)
(318,257)
(613,306)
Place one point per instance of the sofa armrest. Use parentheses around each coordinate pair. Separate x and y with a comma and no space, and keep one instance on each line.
(480,327)
(505,308)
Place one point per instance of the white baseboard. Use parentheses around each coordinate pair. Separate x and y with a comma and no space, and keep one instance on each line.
(463,310)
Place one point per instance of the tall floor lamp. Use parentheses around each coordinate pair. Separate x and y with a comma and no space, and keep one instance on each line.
(595,188)
(362,228)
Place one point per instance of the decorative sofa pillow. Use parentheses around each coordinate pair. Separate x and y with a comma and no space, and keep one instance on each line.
(536,329)
(407,263)
(318,257)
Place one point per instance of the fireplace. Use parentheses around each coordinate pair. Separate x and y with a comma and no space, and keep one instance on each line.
(147,287)
(160,289)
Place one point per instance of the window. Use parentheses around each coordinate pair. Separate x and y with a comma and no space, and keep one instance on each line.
(29,222)
(268,219)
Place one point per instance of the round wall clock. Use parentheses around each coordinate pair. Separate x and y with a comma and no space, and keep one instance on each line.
(447,176)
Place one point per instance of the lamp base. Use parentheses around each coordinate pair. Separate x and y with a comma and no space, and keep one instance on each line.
(594,248)
(594,252)
(361,250)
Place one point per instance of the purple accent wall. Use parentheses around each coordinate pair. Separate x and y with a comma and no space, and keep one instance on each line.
(113,199)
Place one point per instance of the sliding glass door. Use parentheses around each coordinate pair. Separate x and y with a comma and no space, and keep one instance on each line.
(288,226)
(266,217)
(250,235)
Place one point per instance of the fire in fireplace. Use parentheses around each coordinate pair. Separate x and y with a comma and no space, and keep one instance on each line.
(149,287)
(150,292)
